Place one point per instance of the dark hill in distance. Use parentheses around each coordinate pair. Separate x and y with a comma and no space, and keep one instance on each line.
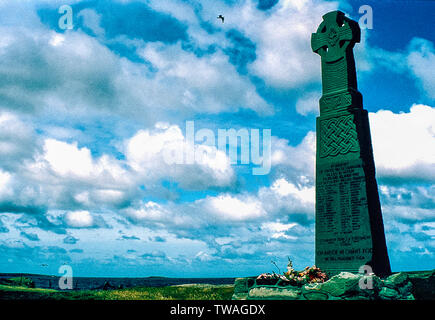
(90,283)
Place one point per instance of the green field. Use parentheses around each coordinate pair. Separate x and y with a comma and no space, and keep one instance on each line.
(180,292)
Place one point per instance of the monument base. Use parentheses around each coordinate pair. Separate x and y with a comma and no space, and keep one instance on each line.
(417,285)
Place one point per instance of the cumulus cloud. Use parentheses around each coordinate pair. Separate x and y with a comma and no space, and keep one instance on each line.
(65,176)
(82,76)
(17,141)
(207,84)
(79,219)
(164,151)
(284,56)
(278,230)
(295,162)
(282,200)
(404,143)
(230,209)
(69,161)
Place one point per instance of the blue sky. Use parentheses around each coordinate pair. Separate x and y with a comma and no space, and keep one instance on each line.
(86,115)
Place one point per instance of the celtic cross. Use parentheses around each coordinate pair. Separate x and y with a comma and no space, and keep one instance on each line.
(334,41)
(349,226)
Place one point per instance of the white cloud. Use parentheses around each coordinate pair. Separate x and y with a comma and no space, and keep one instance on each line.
(421,62)
(409,213)
(208,84)
(203,256)
(277,226)
(65,160)
(163,152)
(5,180)
(148,211)
(284,56)
(179,10)
(298,161)
(56,39)
(82,77)
(17,140)
(308,103)
(285,199)
(284,188)
(79,219)
(229,208)
(418,61)
(404,143)
(278,230)
(92,20)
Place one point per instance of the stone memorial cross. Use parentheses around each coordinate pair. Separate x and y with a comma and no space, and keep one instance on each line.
(349,226)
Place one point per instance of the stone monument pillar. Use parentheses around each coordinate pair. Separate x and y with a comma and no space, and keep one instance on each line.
(349,226)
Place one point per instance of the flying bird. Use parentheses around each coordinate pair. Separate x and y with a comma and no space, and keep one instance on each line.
(221,17)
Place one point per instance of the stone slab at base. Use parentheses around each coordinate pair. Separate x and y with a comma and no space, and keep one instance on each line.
(417,285)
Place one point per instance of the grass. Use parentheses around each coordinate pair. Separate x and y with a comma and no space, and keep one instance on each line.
(180,292)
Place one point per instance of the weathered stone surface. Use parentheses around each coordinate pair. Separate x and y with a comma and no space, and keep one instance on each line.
(274,293)
(396,280)
(315,295)
(350,286)
(241,288)
(401,284)
(389,294)
(341,284)
(240,296)
(314,292)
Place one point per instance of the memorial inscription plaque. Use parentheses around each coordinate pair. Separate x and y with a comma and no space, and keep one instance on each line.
(349,226)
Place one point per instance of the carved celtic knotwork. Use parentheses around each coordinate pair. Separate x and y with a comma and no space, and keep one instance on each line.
(338,136)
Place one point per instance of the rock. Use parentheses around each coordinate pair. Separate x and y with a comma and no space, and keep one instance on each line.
(313,292)
(313,295)
(274,293)
(350,286)
(410,297)
(241,285)
(239,296)
(341,284)
(417,285)
(241,288)
(400,283)
(370,286)
(406,289)
(396,280)
(388,294)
